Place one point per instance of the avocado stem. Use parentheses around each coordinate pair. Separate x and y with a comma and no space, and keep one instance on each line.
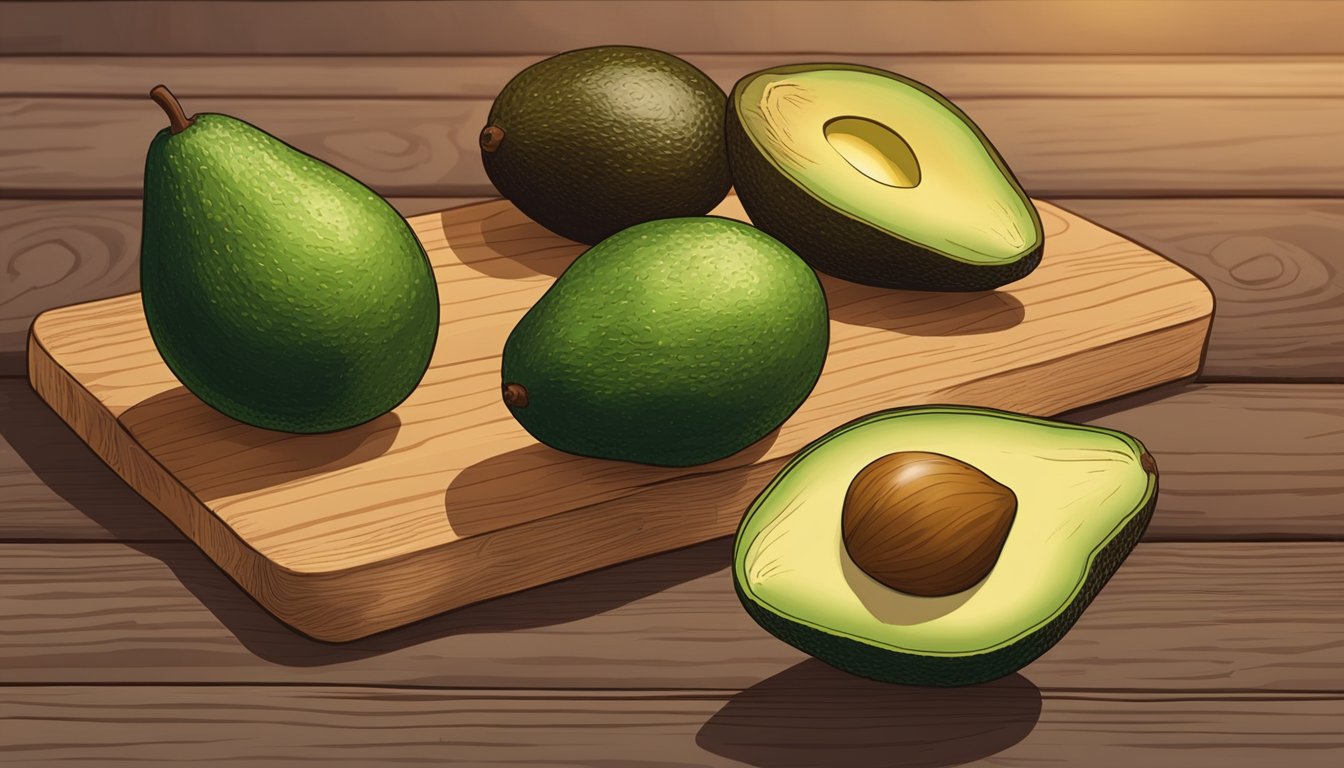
(491,137)
(177,118)
(515,395)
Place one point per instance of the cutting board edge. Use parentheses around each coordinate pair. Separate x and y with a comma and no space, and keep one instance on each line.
(109,440)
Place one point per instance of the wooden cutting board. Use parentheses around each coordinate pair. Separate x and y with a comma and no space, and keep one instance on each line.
(447,501)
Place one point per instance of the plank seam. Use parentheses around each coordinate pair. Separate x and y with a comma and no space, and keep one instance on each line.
(486,97)
(571,693)
(38,194)
(1083,56)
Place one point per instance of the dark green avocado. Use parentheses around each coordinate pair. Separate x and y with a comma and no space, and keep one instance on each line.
(596,140)
(1084,497)
(278,289)
(875,178)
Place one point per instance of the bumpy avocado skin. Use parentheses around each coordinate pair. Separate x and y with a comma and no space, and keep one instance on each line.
(834,242)
(600,139)
(675,342)
(893,666)
(279,290)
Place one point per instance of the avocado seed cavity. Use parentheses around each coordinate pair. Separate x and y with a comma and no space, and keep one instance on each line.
(874,150)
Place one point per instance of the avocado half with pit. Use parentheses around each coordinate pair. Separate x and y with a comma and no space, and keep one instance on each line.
(1083,496)
(878,179)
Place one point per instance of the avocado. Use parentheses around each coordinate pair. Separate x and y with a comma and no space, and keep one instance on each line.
(674,342)
(592,141)
(1066,502)
(878,179)
(279,290)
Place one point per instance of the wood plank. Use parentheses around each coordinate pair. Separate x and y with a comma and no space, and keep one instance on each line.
(456,77)
(1058,147)
(416,148)
(351,533)
(1227,452)
(803,717)
(1240,460)
(1274,267)
(59,252)
(1236,27)
(1276,270)
(1201,617)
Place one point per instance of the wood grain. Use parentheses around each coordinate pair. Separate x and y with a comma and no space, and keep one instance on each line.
(859,724)
(447,500)
(1238,27)
(1134,147)
(1274,266)
(482,77)
(60,252)
(1228,453)
(1177,617)
(400,147)
(1276,269)
(1234,458)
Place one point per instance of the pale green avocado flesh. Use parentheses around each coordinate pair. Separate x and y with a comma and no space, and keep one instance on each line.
(1084,496)
(894,155)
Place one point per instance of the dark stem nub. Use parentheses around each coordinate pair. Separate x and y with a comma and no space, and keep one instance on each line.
(515,395)
(1148,463)
(176,117)
(491,137)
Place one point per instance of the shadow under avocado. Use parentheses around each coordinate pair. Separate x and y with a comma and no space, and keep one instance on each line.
(891,607)
(508,485)
(508,248)
(919,313)
(557,603)
(812,714)
(71,470)
(264,457)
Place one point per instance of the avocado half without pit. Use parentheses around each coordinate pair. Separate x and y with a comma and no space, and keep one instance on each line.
(878,179)
(941,545)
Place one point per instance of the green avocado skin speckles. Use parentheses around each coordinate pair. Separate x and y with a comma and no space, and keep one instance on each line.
(600,139)
(675,342)
(279,290)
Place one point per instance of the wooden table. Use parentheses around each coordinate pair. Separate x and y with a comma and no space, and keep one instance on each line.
(1220,642)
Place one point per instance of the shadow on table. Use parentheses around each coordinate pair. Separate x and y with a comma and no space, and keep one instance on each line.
(918,313)
(558,603)
(812,714)
(225,457)
(510,247)
(502,490)
(70,470)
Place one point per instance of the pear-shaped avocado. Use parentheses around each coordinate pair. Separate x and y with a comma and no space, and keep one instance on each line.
(876,178)
(592,141)
(941,545)
(279,290)
(674,342)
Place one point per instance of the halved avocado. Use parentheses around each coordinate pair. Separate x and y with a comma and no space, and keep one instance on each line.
(1084,497)
(876,178)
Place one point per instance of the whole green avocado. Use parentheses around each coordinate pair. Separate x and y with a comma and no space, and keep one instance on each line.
(279,290)
(674,342)
(592,141)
